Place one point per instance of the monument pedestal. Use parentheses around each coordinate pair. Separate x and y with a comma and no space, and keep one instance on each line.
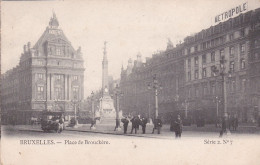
(107,110)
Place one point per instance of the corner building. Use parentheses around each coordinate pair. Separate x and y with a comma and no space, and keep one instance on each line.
(49,75)
(186,74)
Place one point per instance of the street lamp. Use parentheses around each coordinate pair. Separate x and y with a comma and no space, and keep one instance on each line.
(93,112)
(117,94)
(223,74)
(155,85)
(186,104)
(217,100)
(75,101)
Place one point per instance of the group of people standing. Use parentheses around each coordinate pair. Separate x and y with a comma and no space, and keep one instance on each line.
(136,121)
(142,121)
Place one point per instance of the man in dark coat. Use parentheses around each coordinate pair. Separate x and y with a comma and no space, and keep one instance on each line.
(125,122)
(157,125)
(223,127)
(144,122)
(178,127)
(135,124)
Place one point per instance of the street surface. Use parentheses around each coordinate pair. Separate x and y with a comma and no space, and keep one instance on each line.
(108,131)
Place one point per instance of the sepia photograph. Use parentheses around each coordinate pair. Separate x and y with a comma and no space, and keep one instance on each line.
(130,82)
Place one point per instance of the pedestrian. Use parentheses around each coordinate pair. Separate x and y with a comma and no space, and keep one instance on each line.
(143,123)
(157,125)
(178,127)
(235,122)
(125,124)
(229,121)
(223,127)
(93,123)
(61,124)
(135,124)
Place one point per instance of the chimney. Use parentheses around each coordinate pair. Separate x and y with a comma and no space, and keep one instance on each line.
(29,45)
(24,48)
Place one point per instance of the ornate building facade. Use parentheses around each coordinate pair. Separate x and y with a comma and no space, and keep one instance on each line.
(49,76)
(190,87)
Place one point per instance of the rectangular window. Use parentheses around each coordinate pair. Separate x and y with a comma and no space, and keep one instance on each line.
(232,66)
(196,92)
(213,89)
(205,90)
(196,74)
(58,77)
(40,62)
(212,56)
(213,70)
(231,37)
(204,45)
(233,86)
(222,53)
(232,51)
(196,61)
(212,43)
(216,41)
(75,91)
(243,63)
(242,32)
(242,48)
(189,92)
(189,76)
(222,39)
(58,93)
(204,59)
(208,44)
(188,50)
(196,48)
(40,92)
(58,52)
(243,85)
(40,75)
(75,78)
(204,71)
(189,63)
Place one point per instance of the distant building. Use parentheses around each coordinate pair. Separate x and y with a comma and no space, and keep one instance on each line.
(49,75)
(185,73)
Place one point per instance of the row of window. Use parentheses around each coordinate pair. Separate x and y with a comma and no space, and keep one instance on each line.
(214,42)
(204,70)
(58,92)
(203,90)
(212,55)
(57,77)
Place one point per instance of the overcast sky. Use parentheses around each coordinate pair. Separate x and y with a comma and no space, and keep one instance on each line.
(128,27)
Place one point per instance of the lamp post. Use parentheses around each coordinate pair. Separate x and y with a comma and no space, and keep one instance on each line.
(186,104)
(155,85)
(117,94)
(223,74)
(75,101)
(93,123)
(217,100)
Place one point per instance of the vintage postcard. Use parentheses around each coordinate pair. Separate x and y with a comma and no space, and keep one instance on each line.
(130,82)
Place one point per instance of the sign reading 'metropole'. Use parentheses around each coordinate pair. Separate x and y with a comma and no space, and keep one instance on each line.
(232,12)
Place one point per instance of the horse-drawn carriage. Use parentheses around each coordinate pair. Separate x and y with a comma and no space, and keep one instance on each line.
(52,120)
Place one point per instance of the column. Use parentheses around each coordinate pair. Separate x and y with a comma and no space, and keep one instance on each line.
(68,88)
(82,87)
(52,87)
(48,87)
(65,87)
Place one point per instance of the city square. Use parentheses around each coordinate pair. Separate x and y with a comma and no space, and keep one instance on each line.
(155,80)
